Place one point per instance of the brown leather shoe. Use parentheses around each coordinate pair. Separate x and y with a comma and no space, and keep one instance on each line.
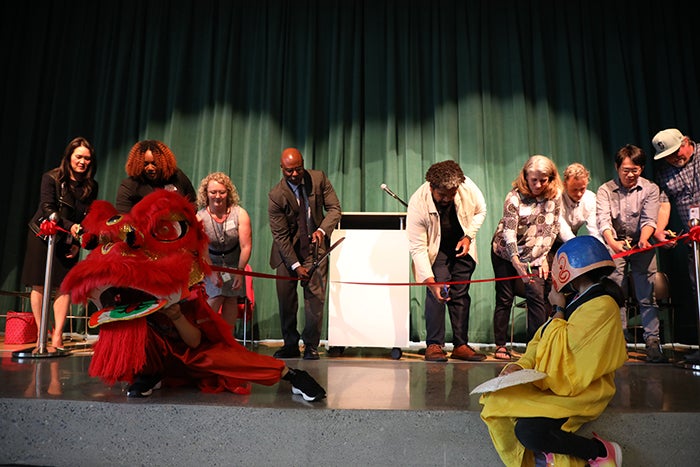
(464,352)
(434,353)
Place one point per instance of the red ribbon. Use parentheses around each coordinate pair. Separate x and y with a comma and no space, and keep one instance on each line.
(252,273)
(692,236)
(49,227)
(423,284)
(410,284)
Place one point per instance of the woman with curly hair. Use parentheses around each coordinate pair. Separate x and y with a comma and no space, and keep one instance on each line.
(524,236)
(227,225)
(151,165)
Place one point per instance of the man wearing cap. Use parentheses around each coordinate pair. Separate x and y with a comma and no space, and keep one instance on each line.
(678,176)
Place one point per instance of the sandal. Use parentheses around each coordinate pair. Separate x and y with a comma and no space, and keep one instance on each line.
(502,353)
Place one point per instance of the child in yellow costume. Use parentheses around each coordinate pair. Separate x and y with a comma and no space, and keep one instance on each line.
(579,349)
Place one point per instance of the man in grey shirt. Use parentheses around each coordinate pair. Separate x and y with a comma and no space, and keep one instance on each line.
(626,210)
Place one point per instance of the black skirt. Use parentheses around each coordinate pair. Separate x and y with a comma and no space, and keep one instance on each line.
(34,269)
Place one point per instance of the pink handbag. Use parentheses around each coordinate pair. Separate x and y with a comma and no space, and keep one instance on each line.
(20,328)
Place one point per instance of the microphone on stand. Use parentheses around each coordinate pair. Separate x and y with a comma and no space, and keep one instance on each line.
(392,194)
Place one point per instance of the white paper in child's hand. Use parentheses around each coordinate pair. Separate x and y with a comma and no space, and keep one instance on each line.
(506,381)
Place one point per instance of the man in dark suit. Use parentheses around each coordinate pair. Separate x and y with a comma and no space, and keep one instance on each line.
(299,228)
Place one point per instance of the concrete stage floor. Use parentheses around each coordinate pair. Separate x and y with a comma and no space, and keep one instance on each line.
(48,397)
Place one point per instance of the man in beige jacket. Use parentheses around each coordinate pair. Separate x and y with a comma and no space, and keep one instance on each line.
(443,217)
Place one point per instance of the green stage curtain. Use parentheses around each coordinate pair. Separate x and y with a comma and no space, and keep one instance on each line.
(371,91)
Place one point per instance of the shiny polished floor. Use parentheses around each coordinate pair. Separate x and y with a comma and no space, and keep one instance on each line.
(363,378)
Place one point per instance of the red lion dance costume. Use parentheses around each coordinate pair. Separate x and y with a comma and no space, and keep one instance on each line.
(146,261)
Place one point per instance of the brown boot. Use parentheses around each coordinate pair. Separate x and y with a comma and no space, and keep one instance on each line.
(434,353)
(465,352)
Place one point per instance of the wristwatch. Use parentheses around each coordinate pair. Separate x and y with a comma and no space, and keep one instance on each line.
(558,309)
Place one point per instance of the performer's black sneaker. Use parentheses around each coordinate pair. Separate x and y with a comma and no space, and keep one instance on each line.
(143,386)
(303,384)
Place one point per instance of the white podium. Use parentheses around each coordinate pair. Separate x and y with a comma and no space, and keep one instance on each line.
(375,250)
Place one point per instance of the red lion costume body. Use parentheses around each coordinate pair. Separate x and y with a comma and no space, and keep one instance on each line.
(145,261)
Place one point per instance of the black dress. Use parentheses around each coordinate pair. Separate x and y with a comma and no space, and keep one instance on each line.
(63,198)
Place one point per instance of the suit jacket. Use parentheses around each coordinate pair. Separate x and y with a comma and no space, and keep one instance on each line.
(63,199)
(283,210)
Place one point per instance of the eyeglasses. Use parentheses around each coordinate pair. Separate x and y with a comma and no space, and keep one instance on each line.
(291,170)
(634,171)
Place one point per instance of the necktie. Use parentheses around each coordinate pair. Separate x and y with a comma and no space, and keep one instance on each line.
(303,225)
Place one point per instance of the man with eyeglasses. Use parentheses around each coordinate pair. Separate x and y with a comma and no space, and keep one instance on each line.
(301,231)
(626,211)
(678,176)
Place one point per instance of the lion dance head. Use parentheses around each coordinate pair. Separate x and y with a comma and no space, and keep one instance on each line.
(140,262)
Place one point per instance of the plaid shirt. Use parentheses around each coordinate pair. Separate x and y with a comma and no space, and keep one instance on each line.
(681,184)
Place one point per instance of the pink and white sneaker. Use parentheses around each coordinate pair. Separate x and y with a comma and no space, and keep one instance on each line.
(613,457)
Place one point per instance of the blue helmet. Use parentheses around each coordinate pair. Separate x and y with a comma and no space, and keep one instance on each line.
(578,256)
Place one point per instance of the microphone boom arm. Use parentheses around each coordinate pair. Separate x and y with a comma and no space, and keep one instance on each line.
(388,191)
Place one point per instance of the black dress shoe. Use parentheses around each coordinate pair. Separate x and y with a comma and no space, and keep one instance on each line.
(335,351)
(310,353)
(288,351)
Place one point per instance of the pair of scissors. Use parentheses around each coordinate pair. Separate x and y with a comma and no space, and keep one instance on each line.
(317,261)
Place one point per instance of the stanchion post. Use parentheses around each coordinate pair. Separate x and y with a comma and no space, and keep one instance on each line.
(693,362)
(694,222)
(42,348)
(46,299)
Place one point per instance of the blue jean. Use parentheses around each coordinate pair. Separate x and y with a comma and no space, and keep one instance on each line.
(641,268)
